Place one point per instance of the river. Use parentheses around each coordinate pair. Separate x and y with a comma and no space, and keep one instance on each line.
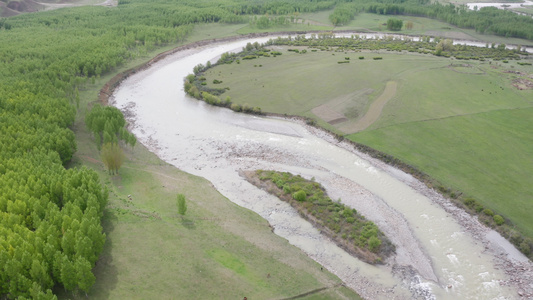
(442,253)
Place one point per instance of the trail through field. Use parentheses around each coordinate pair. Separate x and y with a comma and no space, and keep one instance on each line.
(373,113)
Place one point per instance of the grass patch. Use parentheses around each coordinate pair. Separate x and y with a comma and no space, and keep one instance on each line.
(485,156)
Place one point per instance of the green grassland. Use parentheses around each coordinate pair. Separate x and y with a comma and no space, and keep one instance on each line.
(525,9)
(218,250)
(461,122)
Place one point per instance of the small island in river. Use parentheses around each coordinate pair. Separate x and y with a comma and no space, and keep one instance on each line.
(344,225)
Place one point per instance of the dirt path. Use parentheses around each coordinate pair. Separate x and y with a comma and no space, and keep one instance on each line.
(373,112)
(52,6)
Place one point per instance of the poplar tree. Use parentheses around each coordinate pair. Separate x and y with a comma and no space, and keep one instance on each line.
(182,205)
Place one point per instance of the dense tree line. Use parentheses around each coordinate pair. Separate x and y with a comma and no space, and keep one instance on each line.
(489,20)
(107,124)
(343,13)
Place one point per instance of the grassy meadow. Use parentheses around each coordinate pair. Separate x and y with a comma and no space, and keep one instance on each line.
(218,250)
(461,122)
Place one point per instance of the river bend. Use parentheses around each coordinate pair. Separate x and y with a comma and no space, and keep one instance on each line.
(437,257)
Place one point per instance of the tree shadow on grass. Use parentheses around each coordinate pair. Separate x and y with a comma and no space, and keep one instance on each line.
(187,223)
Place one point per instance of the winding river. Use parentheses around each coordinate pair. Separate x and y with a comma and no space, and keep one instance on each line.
(439,256)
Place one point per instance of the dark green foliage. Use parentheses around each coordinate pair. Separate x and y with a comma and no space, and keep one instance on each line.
(311,198)
(343,14)
(394,24)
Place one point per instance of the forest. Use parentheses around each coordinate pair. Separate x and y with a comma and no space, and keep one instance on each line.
(51,233)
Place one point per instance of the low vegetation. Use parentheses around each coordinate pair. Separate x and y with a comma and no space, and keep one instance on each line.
(349,229)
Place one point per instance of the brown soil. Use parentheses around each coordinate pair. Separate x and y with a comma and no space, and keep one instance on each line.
(523,84)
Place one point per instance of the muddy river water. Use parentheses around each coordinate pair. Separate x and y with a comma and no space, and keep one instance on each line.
(442,253)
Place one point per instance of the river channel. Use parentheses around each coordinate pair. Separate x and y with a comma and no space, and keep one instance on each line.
(442,253)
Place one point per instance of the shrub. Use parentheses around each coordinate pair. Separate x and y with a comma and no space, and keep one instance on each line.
(377,58)
(236,107)
(216,81)
(498,220)
(300,196)
(256,110)
(373,244)
(347,213)
(361,57)
(488,212)
(525,248)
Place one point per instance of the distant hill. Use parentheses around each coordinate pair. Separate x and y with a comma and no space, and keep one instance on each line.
(12,8)
(9,8)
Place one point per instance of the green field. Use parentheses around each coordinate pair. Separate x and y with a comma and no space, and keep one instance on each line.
(218,250)
(461,122)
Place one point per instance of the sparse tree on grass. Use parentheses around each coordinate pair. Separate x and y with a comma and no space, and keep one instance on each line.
(182,205)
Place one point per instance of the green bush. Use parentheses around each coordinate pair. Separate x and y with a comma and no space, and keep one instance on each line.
(488,212)
(300,196)
(347,212)
(236,107)
(498,220)
(373,244)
